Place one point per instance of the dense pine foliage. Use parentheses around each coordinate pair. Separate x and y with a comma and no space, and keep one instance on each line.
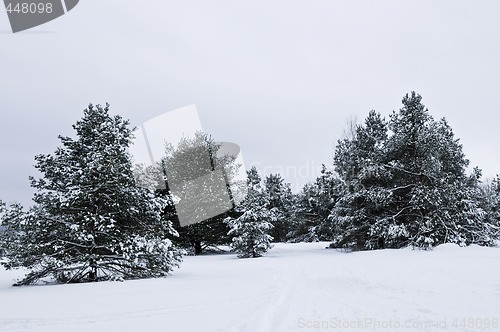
(312,206)
(407,185)
(90,221)
(279,201)
(199,175)
(251,229)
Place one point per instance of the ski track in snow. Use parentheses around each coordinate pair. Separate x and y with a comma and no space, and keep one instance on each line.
(293,285)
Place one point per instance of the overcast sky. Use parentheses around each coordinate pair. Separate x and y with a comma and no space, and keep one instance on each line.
(279,78)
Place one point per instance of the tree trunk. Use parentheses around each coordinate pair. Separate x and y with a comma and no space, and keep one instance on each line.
(93,271)
(197,248)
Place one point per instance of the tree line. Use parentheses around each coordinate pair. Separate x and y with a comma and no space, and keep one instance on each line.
(394,182)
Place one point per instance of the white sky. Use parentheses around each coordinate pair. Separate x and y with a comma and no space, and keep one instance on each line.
(278,78)
(171,126)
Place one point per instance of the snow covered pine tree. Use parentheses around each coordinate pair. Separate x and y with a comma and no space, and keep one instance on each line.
(279,196)
(359,161)
(312,206)
(90,221)
(434,201)
(189,165)
(407,185)
(251,229)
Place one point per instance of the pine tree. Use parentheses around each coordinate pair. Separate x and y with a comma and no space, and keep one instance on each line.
(90,221)
(437,202)
(251,229)
(197,160)
(279,196)
(490,203)
(407,186)
(7,215)
(359,162)
(312,206)
(495,201)
(305,216)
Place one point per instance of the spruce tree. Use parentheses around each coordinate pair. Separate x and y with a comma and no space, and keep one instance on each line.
(251,229)
(90,221)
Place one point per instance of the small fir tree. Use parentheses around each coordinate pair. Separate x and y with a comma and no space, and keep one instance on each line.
(251,229)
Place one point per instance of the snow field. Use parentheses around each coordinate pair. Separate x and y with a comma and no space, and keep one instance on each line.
(295,287)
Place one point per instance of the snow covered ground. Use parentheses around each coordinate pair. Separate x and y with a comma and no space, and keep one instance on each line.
(296,287)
